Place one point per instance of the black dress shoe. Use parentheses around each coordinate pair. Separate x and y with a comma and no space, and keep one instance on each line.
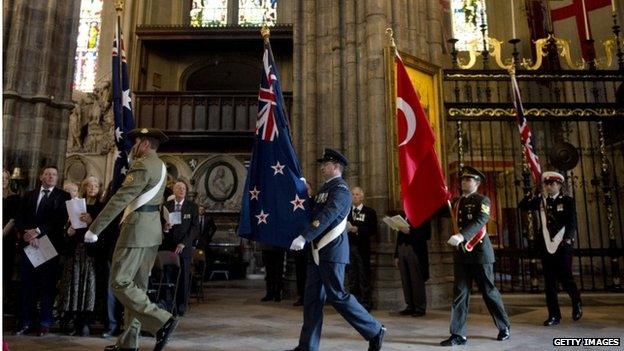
(551,321)
(298,349)
(117,348)
(111,333)
(503,334)
(454,340)
(406,312)
(374,344)
(23,330)
(162,336)
(577,311)
(418,314)
(299,302)
(43,331)
(267,297)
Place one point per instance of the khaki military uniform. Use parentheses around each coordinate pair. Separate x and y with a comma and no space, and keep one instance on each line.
(136,249)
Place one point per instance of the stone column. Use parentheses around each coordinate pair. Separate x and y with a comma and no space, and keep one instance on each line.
(39,66)
(339,91)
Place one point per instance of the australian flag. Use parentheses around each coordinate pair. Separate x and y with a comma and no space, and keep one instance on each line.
(275,206)
(124,121)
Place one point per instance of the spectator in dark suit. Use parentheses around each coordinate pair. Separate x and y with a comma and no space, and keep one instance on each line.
(362,227)
(43,213)
(411,257)
(179,238)
(205,230)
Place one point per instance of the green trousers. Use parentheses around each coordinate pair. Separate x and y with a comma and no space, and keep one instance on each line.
(483,274)
(130,272)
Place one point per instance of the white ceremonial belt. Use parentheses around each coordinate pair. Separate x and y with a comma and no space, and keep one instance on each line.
(328,238)
(551,243)
(146,196)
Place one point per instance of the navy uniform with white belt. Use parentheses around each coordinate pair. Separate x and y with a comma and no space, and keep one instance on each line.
(473,260)
(558,227)
(327,236)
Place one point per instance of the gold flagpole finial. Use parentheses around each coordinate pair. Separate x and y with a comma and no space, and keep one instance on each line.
(265,32)
(119,4)
(390,34)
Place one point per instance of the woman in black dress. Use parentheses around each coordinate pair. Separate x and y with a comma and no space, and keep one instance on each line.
(77,295)
(10,205)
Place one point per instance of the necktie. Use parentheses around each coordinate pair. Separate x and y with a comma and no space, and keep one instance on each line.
(178,208)
(44,199)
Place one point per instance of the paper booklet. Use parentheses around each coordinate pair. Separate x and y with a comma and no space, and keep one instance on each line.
(41,254)
(396,223)
(75,207)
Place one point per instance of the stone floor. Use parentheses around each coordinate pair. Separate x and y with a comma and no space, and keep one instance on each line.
(232,318)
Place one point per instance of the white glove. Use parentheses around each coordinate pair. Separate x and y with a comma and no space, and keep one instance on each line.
(298,243)
(90,237)
(455,240)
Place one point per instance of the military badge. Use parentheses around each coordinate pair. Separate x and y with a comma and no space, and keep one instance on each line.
(129,179)
(560,208)
(316,223)
(469,216)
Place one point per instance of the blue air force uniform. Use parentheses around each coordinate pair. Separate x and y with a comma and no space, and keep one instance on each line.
(325,276)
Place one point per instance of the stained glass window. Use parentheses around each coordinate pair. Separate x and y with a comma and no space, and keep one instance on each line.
(257,12)
(209,13)
(467,19)
(87,44)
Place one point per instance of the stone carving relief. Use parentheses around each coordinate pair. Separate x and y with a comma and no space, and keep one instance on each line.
(92,123)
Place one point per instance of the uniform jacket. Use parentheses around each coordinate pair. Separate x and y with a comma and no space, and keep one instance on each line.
(366,222)
(560,212)
(185,232)
(50,219)
(332,206)
(140,229)
(473,213)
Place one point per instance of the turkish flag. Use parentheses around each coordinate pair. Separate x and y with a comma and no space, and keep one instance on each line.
(423,186)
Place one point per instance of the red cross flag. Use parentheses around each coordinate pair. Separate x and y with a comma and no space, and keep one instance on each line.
(577,20)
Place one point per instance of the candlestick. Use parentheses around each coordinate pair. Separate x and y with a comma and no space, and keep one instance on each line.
(513,21)
(585,20)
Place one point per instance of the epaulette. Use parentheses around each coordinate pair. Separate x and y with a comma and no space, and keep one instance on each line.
(343,186)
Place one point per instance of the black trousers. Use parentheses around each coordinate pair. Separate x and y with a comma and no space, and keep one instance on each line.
(274,266)
(558,270)
(412,279)
(483,274)
(359,275)
(182,295)
(301,268)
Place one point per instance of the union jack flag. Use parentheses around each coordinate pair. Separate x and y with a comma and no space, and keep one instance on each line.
(525,133)
(122,110)
(275,207)
(265,125)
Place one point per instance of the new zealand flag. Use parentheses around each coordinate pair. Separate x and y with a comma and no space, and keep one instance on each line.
(275,206)
(124,121)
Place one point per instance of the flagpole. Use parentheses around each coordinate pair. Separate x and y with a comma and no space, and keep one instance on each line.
(119,9)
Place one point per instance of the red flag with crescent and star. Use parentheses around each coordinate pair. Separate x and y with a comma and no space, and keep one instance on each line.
(423,186)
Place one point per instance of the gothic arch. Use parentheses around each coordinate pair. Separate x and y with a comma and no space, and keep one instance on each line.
(233,72)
